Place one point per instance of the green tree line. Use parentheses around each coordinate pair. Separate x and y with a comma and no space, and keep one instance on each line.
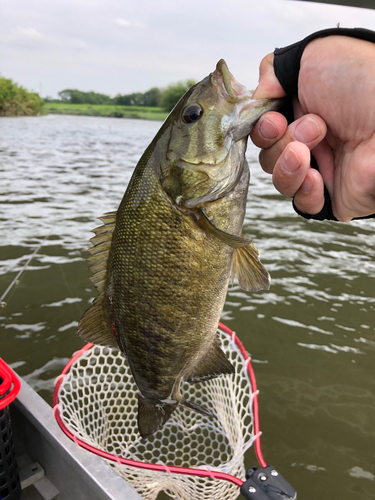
(17,101)
(155,97)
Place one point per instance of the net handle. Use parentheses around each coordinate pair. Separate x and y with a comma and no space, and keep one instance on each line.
(161,467)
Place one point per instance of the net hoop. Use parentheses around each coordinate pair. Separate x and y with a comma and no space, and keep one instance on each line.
(169,469)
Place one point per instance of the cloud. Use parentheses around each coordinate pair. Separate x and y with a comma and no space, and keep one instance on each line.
(74,43)
(28,33)
(124,23)
(114,46)
(31,37)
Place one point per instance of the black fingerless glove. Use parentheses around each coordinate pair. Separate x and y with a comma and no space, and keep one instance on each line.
(287,62)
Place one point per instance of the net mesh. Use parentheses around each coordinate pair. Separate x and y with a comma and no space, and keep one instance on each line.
(98,403)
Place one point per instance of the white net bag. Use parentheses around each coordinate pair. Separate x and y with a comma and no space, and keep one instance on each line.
(96,403)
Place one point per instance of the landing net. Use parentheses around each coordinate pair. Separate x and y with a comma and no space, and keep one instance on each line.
(96,404)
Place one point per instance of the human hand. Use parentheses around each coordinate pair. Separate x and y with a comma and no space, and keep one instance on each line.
(335,119)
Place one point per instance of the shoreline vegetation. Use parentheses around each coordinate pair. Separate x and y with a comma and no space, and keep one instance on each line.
(153,104)
(137,112)
(17,101)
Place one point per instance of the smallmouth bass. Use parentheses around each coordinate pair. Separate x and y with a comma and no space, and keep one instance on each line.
(162,263)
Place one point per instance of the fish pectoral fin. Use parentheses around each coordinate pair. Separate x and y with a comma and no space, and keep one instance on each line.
(151,416)
(215,363)
(94,327)
(251,274)
(229,239)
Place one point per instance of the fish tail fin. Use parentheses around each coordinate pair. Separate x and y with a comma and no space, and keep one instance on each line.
(151,416)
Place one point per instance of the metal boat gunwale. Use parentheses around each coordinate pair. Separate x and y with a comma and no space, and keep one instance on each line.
(75,472)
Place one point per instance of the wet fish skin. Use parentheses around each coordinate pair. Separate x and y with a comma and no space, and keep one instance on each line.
(162,263)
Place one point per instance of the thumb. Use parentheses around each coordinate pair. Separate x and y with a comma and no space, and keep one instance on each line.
(269,86)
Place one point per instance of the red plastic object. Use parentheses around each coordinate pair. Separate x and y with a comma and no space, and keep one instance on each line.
(10,385)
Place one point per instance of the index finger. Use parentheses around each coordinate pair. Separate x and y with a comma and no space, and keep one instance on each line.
(269,86)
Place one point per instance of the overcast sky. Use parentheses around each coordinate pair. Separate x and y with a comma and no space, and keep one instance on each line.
(123,46)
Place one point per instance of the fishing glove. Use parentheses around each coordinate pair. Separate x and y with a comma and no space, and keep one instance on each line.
(287,62)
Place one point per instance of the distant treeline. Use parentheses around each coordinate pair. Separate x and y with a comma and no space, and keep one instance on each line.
(17,101)
(155,97)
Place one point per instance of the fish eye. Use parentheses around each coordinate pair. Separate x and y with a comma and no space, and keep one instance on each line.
(192,113)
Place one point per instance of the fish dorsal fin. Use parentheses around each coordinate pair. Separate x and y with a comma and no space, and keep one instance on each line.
(229,239)
(215,363)
(100,250)
(251,274)
(94,326)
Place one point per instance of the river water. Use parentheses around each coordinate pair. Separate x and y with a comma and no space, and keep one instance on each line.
(311,336)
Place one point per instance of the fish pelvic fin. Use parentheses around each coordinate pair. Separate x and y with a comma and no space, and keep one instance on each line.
(215,363)
(151,416)
(198,408)
(251,274)
(94,325)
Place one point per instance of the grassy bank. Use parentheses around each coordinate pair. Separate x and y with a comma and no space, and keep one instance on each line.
(141,112)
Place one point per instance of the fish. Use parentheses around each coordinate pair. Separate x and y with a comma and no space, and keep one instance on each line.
(163,261)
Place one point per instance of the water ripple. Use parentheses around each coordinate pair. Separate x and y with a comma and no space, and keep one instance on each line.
(58,174)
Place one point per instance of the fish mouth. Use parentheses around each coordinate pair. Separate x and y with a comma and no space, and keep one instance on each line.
(222,68)
(249,112)
(246,110)
(225,81)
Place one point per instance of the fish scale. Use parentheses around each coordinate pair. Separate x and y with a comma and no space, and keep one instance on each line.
(165,241)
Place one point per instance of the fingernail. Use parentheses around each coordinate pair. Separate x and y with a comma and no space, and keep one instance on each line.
(290,161)
(307,131)
(307,184)
(268,130)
